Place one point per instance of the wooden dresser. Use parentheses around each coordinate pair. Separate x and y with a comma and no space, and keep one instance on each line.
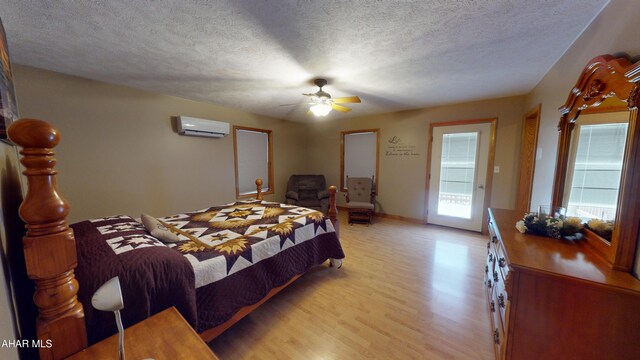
(555,299)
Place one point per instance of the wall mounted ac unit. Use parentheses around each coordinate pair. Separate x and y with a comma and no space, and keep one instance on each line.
(201,127)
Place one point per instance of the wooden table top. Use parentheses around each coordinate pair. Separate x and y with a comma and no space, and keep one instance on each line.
(165,335)
(556,256)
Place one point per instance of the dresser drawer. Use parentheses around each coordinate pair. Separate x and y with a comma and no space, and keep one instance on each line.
(491,228)
(497,330)
(502,264)
(493,275)
(490,272)
(499,284)
(496,272)
(499,340)
(501,303)
(490,265)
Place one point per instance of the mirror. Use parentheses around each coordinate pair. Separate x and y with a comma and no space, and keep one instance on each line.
(598,165)
(594,168)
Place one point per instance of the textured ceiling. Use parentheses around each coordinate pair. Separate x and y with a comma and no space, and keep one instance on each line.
(255,55)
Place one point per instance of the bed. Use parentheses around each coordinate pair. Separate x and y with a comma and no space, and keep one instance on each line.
(227,259)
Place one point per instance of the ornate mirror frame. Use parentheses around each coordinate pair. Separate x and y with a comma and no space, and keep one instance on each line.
(605,77)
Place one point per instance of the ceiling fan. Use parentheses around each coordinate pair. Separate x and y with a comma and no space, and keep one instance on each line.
(321,103)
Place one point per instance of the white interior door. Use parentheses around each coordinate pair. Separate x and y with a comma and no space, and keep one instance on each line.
(459,160)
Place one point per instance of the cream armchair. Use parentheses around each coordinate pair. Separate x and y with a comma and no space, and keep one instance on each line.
(361,197)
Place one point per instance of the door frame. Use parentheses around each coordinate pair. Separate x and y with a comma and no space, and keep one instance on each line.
(522,203)
(489,178)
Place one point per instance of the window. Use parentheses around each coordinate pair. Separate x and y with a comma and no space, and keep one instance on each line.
(457,174)
(253,157)
(595,166)
(359,155)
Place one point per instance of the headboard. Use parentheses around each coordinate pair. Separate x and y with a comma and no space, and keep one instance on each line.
(49,243)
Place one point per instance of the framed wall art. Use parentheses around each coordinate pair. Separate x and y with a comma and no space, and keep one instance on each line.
(8,105)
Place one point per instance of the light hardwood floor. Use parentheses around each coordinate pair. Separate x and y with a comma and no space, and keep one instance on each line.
(405,291)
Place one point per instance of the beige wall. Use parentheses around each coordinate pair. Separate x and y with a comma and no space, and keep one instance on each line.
(120,154)
(402,179)
(615,32)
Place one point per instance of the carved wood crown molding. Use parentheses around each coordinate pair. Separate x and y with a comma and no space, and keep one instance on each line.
(604,76)
(594,89)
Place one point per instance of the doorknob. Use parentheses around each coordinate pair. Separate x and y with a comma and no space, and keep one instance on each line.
(480,186)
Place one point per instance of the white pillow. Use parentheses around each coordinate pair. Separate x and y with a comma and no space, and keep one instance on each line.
(158,230)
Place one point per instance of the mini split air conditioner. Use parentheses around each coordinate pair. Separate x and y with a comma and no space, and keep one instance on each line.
(201,127)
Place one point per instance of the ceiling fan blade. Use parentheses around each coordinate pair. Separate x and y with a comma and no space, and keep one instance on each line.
(309,94)
(348,99)
(340,108)
(309,112)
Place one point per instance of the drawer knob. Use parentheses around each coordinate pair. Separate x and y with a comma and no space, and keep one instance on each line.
(501,300)
(489,284)
(493,306)
(495,276)
(502,262)
(496,336)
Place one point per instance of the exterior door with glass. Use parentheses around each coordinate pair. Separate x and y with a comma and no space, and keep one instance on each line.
(459,161)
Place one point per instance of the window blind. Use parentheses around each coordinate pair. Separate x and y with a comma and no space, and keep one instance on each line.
(360,155)
(596,170)
(253,160)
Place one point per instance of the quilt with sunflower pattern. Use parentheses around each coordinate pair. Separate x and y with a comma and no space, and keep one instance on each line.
(227,257)
(223,240)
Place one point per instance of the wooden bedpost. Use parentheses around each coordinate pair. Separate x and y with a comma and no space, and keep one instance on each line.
(259,189)
(333,209)
(49,245)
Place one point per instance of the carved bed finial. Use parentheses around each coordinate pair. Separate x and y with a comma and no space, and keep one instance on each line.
(258,189)
(49,245)
(32,133)
(43,210)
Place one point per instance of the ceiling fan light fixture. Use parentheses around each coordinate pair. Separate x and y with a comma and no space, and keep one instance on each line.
(321,109)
